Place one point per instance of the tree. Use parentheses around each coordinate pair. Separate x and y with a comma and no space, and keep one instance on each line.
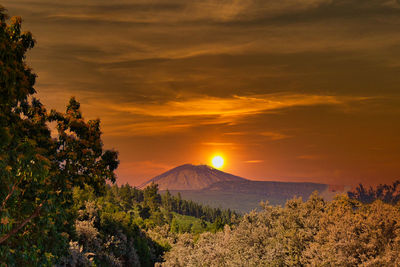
(38,172)
(166,200)
(151,197)
(387,193)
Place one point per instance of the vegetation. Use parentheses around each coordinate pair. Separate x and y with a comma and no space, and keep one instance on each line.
(387,193)
(38,172)
(188,207)
(343,232)
(131,227)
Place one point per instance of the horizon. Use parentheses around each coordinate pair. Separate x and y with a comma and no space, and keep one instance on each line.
(305,91)
(148,181)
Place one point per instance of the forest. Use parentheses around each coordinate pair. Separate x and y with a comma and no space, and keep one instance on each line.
(60,205)
(131,227)
(114,230)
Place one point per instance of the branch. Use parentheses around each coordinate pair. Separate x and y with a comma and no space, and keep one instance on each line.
(30,218)
(10,194)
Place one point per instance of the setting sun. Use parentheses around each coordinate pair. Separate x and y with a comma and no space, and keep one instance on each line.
(217,162)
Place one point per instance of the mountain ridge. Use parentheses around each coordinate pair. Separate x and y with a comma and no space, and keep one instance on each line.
(191,177)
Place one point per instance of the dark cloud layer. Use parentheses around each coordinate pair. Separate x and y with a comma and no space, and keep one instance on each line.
(299,90)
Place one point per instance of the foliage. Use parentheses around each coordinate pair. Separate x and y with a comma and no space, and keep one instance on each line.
(130,227)
(37,171)
(190,208)
(387,193)
(343,232)
(104,237)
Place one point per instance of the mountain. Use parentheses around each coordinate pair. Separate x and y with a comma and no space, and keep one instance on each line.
(191,177)
(209,186)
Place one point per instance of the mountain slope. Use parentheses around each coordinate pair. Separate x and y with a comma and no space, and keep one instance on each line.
(267,188)
(208,186)
(191,177)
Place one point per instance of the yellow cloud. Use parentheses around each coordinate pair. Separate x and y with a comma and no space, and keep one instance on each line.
(233,106)
(218,144)
(173,116)
(254,161)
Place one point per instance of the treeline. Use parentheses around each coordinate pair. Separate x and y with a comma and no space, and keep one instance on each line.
(387,193)
(150,200)
(190,208)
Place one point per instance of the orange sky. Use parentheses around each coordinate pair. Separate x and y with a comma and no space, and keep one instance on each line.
(290,90)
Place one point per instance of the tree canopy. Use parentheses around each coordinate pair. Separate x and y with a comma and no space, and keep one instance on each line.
(38,172)
(387,193)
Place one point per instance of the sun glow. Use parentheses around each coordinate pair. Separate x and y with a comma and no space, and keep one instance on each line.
(217,162)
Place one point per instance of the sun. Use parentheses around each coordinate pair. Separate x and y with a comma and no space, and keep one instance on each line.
(217,162)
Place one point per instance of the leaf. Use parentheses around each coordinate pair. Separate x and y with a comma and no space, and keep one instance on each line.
(5,220)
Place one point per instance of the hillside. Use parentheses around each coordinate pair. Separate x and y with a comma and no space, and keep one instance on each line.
(191,177)
(206,185)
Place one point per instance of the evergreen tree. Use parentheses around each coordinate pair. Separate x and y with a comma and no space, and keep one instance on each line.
(151,197)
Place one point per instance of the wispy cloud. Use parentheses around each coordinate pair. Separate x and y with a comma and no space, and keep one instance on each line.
(148,128)
(254,161)
(218,144)
(172,116)
(232,106)
(309,157)
(275,135)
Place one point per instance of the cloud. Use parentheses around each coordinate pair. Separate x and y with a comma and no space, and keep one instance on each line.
(275,135)
(236,133)
(254,161)
(231,106)
(205,11)
(164,30)
(309,157)
(174,116)
(159,11)
(148,128)
(218,144)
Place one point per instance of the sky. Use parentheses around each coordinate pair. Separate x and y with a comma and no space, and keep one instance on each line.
(289,90)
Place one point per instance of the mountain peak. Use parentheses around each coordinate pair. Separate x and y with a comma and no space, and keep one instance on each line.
(191,177)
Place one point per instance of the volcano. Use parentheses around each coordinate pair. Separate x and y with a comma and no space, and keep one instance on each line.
(191,177)
(209,186)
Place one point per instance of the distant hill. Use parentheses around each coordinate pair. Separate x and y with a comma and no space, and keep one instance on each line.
(267,188)
(191,177)
(209,186)
(244,196)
